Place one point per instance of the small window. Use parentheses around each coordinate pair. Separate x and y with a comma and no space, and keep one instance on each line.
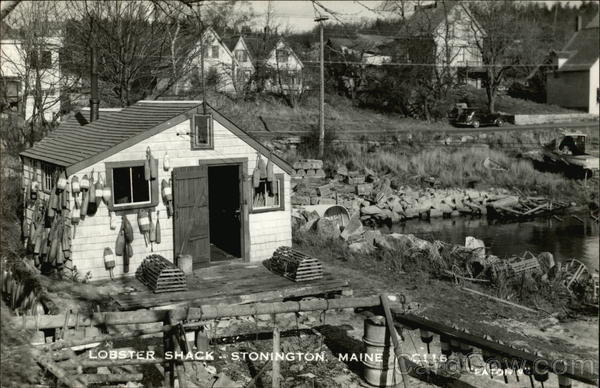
(129,186)
(282,56)
(215,51)
(41,59)
(241,55)
(47,176)
(201,133)
(268,196)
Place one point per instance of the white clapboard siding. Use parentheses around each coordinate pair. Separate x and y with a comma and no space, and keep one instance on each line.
(267,230)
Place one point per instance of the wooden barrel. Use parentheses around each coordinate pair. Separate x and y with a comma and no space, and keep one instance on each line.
(381,368)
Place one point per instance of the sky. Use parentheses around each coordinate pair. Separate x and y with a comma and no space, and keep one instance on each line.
(299,14)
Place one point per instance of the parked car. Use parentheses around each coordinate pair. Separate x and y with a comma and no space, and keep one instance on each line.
(478,117)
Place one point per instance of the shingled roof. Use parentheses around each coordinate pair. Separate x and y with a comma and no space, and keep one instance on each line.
(75,147)
(72,143)
(583,48)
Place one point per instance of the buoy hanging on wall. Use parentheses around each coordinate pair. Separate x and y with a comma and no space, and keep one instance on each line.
(166,162)
(75,186)
(84,183)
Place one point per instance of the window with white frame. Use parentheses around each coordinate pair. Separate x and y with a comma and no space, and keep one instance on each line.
(241,55)
(268,195)
(129,185)
(215,51)
(282,55)
(201,132)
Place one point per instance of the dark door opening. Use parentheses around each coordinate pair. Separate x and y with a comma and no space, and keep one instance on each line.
(224,212)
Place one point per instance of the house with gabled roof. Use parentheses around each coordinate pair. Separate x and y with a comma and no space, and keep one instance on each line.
(574,82)
(217,193)
(286,68)
(442,33)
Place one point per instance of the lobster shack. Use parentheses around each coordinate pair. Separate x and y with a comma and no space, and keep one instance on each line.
(169,178)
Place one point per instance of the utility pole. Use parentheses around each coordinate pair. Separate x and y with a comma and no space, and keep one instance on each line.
(320,20)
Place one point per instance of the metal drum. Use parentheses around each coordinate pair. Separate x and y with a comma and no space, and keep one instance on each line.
(381,368)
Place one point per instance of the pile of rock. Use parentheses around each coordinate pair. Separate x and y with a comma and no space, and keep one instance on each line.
(311,168)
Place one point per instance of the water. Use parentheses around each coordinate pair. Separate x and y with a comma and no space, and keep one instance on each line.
(565,240)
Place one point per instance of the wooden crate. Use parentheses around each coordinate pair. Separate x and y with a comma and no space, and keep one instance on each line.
(295,265)
(160,275)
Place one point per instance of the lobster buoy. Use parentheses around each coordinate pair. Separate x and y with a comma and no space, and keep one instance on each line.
(84,204)
(109,261)
(256,178)
(157,236)
(84,183)
(144,224)
(75,186)
(426,337)
(106,194)
(65,197)
(99,192)
(92,190)
(75,218)
(113,220)
(270,173)
(61,184)
(167,192)
(262,167)
(166,162)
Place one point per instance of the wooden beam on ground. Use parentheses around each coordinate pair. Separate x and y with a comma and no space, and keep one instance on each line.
(567,369)
(113,378)
(193,313)
(57,371)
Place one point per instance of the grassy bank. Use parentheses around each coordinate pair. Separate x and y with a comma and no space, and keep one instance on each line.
(455,167)
(425,265)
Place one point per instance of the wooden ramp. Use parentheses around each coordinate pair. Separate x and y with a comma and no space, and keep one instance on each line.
(231,283)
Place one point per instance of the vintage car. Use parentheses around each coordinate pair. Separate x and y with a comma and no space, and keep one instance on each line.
(477,117)
(567,154)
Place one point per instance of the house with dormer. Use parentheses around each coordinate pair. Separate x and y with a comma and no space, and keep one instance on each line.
(285,68)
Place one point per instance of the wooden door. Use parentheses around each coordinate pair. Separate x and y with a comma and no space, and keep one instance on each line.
(191,233)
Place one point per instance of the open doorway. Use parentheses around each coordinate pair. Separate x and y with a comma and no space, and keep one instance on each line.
(225,218)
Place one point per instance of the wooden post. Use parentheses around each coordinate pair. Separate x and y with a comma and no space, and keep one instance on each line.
(320,20)
(167,366)
(276,362)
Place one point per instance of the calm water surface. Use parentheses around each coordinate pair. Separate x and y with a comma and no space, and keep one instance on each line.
(565,240)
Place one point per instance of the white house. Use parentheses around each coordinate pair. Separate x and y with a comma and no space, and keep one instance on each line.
(203,191)
(447,29)
(574,83)
(286,69)
(29,69)
(244,60)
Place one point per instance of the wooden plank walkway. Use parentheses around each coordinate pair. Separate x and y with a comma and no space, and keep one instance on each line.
(231,283)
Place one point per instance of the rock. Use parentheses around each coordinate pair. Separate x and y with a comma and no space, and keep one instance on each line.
(327,228)
(326,201)
(298,165)
(436,213)
(382,242)
(370,210)
(325,190)
(311,172)
(360,247)
(354,228)
(319,173)
(410,240)
(296,368)
(300,200)
(341,170)
(300,172)
(364,189)
(371,235)
(507,202)
(476,246)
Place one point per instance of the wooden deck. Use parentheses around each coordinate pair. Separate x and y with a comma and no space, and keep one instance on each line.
(231,283)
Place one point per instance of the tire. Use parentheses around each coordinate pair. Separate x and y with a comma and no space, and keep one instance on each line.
(499,122)
(475,124)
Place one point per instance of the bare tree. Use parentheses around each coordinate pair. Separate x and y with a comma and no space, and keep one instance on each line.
(31,65)
(504,41)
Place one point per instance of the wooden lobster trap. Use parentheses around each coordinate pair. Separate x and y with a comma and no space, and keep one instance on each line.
(294,265)
(160,275)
